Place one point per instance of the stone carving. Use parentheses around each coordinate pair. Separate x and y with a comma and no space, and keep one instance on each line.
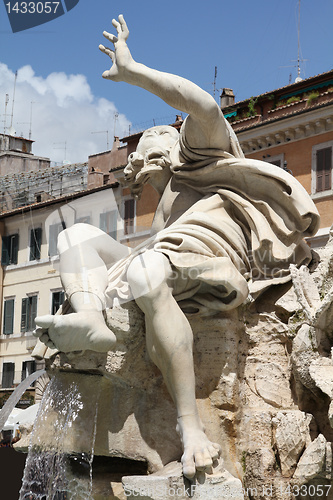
(225,230)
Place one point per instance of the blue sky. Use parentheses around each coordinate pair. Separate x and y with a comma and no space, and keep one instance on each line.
(250,42)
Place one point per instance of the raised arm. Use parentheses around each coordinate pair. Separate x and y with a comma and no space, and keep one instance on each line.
(205,126)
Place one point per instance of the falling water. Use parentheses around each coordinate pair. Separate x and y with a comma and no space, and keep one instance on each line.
(53,471)
(15,397)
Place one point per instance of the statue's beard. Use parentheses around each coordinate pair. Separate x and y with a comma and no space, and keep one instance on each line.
(140,169)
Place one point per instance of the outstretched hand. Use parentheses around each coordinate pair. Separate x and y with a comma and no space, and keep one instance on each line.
(120,56)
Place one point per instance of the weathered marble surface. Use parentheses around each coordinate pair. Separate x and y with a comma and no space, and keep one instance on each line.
(263,386)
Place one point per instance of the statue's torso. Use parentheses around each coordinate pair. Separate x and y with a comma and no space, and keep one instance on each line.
(176,199)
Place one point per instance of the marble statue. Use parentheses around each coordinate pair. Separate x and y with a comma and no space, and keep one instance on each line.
(225,227)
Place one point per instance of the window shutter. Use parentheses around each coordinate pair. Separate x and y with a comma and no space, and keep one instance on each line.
(38,238)
(108,223)
(14,248)
(328,168)
(53,236)
(28,367)
(324,169)
(8,373)
(32,312)
(32,245)
(24,314)
(5,251)
(35,243)
(112,224)
(57,300)
(129,216)
(8,317)
(102,222)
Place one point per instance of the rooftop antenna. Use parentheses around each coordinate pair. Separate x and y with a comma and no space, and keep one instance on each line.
(30,126)
(299,79)
(64,147)
(214,82)
(299,58)
(30,122)
(5,118)
(115,123)
(107,137)
(11,130)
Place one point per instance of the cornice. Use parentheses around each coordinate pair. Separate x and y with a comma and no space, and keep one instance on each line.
(287,129)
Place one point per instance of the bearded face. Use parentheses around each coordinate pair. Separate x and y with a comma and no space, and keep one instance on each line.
(151,161)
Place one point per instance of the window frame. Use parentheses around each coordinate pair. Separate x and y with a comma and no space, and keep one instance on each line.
(53,308)
(10,248)
(29,307)
(6,301)
(56,229)
(104,224)
(28,367)
(4,384)
(314,169)
(35,243)
(126,226)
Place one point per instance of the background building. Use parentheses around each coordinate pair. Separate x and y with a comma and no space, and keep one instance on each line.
(292,127)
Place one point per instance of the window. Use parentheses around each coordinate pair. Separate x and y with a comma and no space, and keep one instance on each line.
(129,215)
(29,312)
(9,249)
(322,162)
(54,231)
(8,373)
(108,223)
(28,367)
(324,169)
(277,160)
(57,300)
(85,220)
(8,316)
(35,243)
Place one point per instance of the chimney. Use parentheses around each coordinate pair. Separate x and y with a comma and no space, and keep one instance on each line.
(227,98)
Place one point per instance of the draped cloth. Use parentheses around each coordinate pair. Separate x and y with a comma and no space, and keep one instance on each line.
(247,229)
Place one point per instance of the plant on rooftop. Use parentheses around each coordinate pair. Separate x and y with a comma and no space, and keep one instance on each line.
(312,98)
(251,107)
(293,99)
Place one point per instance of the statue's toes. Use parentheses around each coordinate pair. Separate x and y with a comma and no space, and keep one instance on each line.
(188,463)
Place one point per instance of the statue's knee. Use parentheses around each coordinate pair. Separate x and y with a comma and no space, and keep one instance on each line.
(76,234)
(148,274)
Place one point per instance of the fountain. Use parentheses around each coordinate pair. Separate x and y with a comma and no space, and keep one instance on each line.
(227,267)
(51,472)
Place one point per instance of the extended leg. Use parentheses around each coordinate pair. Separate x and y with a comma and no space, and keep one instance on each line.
(169,341)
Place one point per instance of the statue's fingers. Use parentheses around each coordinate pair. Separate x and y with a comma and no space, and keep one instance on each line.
(44,338)
(116,25)
(44,322)
(110,37)
(50,344)
(123,25)
(107,51)
(38,332)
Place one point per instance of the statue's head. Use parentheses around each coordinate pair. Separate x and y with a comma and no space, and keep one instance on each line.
(151,161)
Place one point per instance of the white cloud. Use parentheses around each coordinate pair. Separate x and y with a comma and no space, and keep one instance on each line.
(64,114)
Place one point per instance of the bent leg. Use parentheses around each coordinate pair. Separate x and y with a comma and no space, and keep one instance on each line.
(169,342)
(85,255)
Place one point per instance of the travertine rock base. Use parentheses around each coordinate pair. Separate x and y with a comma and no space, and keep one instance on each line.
(264,392)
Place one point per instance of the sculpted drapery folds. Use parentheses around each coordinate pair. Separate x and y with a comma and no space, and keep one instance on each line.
(224,226)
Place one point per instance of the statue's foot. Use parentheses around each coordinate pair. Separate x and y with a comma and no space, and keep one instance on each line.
(78,331)
(200,453)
